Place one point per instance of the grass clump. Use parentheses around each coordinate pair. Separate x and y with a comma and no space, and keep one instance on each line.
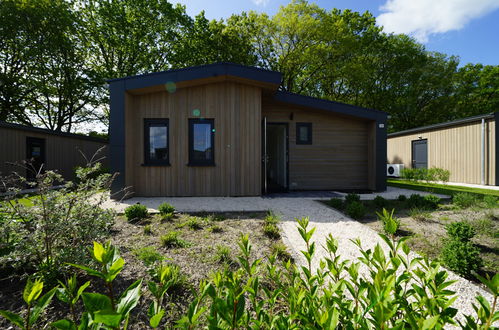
(336,203)
(355,210)
(169,276)
(464,200)
(148,255)
(136,212)
(165,208)
(271,231)
(222,254)
(420,215)
(147,230)
(172,239)
(216,217)
(215,229)
(193,223)
(167,216)
(271,218)
(280,250)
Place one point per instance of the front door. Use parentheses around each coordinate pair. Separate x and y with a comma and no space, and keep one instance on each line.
(35,155)
(420,154)
(275,157)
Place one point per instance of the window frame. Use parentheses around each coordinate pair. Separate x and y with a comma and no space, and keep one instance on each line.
(156,122)
(309,135)
(192,122)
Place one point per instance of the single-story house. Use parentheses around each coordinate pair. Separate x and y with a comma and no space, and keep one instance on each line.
(466,147)
(226,130)
(55,150)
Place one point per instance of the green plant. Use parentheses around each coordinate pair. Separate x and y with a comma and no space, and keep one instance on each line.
(424,174)
(147,230)
(402,198)
(464,200)
(215,229)
(165,208)
(172,239)
(149,255)
(136,212)
(379,201)
(459,253)
(352,197)
(167,216)
(490,201)
(105,309)
(431,202)
(420,215)
(216,217)
(271,218)
(223,254)
(271,231)
(280,250)
(355,210)
(336,203)
(35,305)
(70,293)
(390,223)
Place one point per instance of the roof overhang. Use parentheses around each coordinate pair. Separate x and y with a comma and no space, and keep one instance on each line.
(199,75)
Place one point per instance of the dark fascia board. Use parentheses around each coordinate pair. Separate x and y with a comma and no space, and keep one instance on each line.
(442,125)
(48,131)
(337,107)
(200,72)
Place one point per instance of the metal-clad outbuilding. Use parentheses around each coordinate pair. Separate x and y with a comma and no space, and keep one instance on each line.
(466,147)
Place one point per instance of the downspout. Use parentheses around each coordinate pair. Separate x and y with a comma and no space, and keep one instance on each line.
(483,152)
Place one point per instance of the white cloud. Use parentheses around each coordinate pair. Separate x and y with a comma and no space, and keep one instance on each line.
(421,18)
(262,3)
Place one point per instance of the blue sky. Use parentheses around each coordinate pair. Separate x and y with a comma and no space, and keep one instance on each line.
(466,28)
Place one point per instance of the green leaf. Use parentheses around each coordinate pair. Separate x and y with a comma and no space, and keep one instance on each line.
(430,323)
(156,318)
(32,290)
(99,252)
(108,317)
(89,271)
(129,298)
(41,305)
(13,318)
(95,302)
(64,324)
(80,291)
(115,269)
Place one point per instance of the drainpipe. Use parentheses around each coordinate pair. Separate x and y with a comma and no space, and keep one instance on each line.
(483,152)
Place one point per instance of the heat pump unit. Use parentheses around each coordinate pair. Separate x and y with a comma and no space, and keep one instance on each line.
(394,169)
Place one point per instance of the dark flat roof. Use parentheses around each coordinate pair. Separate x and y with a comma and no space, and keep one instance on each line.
(200,72)
(442,125)
(51,132)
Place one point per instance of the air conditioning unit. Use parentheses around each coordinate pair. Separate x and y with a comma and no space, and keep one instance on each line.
(394,169)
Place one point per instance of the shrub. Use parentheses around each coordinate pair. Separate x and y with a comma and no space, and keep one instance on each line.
(222,254)
(271,218)
(147,229)
(390,223)
(172,239)
(215,229)
(136,212)
(464,200)
(459,253)
(428,202)
(167,216)
(431,201)
(148,255)
(165,208)
(379,201)
(489,201)
(402,198)
(336,203)
(352,197)
(271,231)
(193,223)
(355,210)
(280,250)
(423,174)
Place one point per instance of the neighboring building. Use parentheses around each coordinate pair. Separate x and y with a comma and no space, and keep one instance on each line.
(466,147)
(56,150)
(226,130)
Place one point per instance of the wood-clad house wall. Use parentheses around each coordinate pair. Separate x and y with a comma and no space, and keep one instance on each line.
(456,148)
(341,155)
(236,110)
(62,153)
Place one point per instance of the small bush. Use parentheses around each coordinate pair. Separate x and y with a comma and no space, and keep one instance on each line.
(165,208)
(464,200)
(428,202)
(147,230)
(136,212)
(379,202)
(280,250)
(336,203)
(271,218)
(462,231)
(390,223)
(222,254)
(489,201)
(432,202)
(352,197)
(215,229)
(402,198)
(271,231)
(170,275)
(172,239)
(148,255)
(424,174)
(355,210)
(167,216)
(193,223)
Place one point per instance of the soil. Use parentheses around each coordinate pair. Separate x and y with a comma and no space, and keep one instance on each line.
(197,261)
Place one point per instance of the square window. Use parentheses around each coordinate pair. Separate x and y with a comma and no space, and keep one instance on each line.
(201,142)
(156,144)
(303,133)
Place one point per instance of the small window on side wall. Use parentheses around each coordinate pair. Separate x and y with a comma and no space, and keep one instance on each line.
(156,142)
(303,133)
(201,142)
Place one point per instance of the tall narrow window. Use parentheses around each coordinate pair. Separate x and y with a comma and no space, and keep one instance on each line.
(303,133)
(156,144)
(201,142)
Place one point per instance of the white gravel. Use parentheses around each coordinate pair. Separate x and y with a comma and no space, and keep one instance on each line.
(323,218)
